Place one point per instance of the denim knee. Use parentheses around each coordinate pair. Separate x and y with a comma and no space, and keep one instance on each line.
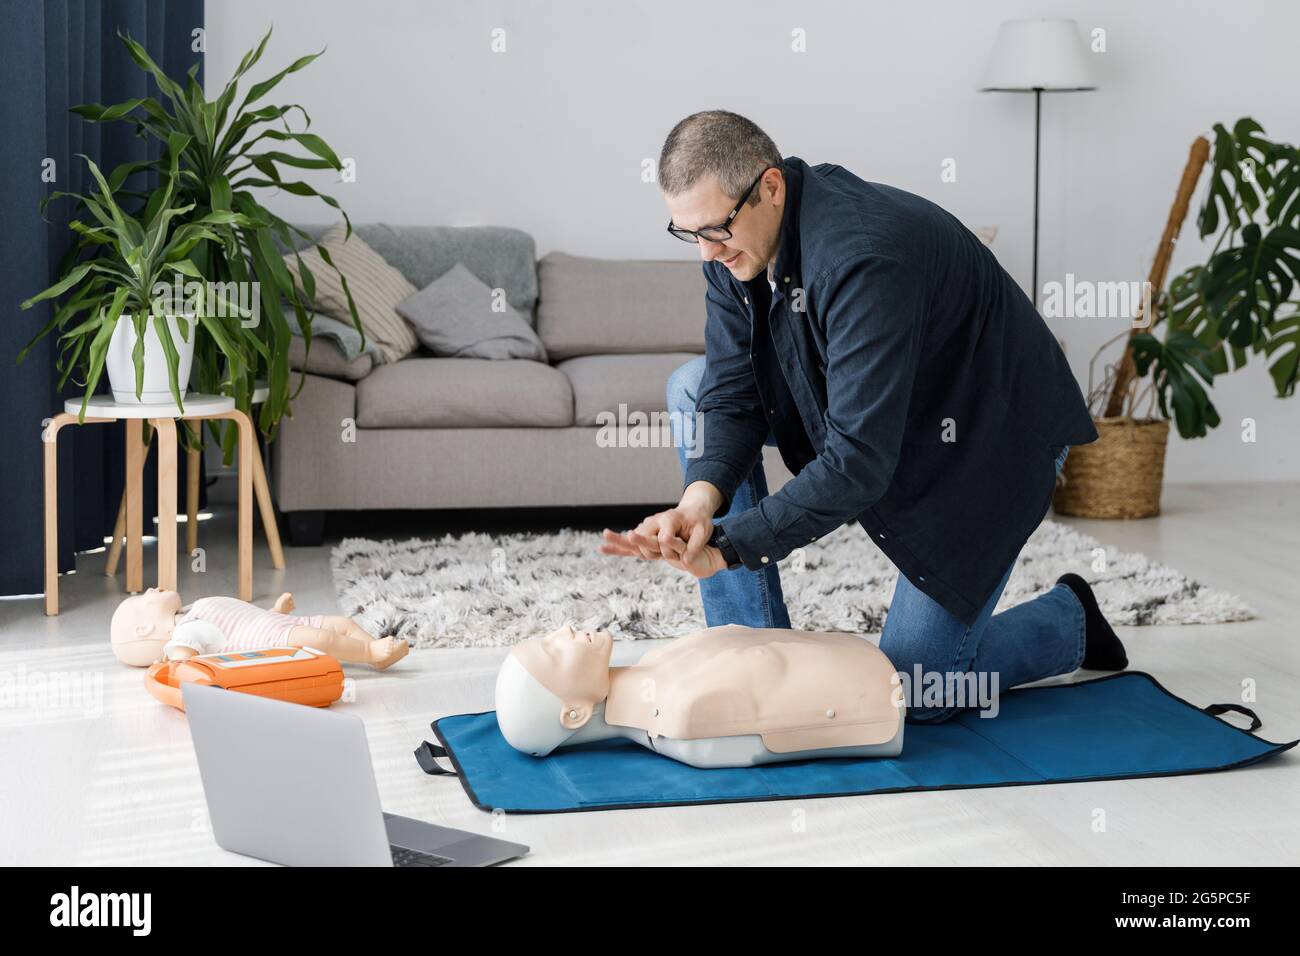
(913,664)
(684,385)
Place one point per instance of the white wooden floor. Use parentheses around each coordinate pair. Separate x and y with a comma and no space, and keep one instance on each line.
(105,775)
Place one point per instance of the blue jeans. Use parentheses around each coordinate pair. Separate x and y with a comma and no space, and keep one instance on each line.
(752,598)
(1040,638)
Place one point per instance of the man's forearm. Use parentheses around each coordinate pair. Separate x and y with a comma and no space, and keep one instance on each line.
(702,496)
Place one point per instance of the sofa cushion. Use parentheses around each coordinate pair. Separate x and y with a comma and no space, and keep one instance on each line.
(601,306)
(376,289)
(457,316)
(327,359)
(464,393)
(503,258)
(603,382)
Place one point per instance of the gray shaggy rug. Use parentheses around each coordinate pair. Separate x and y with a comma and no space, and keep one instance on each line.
(479,590)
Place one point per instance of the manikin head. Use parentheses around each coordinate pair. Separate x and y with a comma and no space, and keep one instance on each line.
(549,687)
(711,161)
(142,624)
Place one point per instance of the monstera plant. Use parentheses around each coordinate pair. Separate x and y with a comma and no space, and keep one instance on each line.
(1241,301)
(1244,300)
(220,157)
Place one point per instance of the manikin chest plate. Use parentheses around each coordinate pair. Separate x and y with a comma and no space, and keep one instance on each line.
(798,690)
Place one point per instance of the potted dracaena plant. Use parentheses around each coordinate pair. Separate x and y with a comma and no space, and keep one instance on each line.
(218,157)
(133,325)
(1241,301)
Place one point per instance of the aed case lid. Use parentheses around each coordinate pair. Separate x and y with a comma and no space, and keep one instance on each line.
(298,675)
(241,668)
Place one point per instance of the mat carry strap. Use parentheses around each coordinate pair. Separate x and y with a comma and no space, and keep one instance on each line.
(1216,709)
(425,755)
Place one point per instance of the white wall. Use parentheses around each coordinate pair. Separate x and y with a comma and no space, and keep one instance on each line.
(550,136)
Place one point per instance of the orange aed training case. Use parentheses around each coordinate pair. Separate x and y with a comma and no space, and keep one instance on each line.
(296,674)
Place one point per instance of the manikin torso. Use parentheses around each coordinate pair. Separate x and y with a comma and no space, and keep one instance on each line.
(728,696)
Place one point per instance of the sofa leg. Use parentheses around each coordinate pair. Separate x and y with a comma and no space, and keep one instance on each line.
(306,528)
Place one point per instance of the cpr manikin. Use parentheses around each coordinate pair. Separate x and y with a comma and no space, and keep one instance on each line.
(153,626)
(728,696)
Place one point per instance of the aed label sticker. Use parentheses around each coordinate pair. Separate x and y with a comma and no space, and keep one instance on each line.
(259,658)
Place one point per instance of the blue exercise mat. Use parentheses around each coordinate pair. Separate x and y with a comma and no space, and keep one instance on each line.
(1115,727)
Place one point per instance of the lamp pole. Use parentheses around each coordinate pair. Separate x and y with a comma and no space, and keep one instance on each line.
(1038,55)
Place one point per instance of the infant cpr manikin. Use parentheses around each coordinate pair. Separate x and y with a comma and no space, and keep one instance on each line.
(728,696)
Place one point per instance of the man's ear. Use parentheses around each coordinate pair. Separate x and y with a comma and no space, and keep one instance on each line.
(573,715)
(775,186)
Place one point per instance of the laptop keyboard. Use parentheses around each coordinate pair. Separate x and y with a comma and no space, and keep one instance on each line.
(403,856)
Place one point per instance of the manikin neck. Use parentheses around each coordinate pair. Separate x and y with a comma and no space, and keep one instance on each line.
(622,680)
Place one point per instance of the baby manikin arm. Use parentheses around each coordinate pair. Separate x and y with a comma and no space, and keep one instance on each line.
(194,637)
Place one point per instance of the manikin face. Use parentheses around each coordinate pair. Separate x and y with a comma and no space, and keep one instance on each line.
(574,654)
(755,232)
(574,666)
(162,601)
(153,613)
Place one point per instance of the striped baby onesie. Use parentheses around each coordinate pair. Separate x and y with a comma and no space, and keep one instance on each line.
(245,626)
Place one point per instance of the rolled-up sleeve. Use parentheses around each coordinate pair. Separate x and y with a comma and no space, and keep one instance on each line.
(730,426)
(873,309)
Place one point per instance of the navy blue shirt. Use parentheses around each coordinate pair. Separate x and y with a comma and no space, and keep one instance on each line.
(909,382)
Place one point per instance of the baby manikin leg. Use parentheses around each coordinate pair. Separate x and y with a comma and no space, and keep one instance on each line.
(342,638)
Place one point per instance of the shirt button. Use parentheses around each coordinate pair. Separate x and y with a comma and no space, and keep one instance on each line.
(787,278)
(747,300)
(921,577)
(813,538)
(763,559)
(881,535)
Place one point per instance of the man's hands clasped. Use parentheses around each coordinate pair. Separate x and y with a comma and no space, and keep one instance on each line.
(678,536)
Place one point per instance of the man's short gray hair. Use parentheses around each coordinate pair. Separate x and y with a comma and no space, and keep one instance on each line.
(716,143)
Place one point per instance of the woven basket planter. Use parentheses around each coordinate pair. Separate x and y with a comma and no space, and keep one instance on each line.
(1117,476)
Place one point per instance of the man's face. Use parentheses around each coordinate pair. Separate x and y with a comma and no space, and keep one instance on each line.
(754,232)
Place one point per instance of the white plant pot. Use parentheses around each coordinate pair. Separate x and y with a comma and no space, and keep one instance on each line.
(157,384)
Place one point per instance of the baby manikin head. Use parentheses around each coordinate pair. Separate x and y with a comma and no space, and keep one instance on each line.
(142,624)
(549,687)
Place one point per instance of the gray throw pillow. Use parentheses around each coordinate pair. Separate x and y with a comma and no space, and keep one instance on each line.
(342,334)
(454,317)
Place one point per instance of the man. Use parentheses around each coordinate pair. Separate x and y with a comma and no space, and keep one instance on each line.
(910,386)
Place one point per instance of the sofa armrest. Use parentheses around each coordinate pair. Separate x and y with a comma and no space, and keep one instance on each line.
(315,450)
(327,359)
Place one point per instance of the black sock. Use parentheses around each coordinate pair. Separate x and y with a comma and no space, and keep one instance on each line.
(1102,650)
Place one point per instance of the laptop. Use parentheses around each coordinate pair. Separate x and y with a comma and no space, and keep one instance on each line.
(293,784)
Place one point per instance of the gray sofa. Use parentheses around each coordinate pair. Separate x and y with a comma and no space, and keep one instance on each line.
(428,432)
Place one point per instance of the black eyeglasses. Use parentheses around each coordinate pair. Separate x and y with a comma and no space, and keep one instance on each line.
(719,233)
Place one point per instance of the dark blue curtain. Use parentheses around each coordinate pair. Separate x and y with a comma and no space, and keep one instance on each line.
(55,55)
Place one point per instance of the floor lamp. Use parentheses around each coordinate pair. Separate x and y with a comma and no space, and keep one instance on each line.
(1038,56)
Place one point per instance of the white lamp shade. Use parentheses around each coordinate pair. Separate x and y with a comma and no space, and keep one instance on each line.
(1039,55)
